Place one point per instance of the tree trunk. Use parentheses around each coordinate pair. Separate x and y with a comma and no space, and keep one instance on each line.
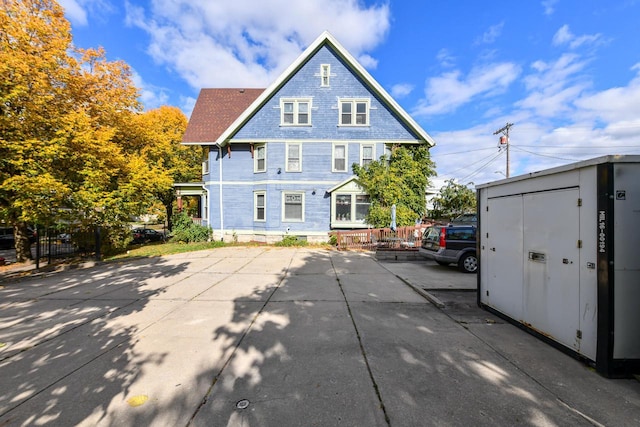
(23,244)
(169,207)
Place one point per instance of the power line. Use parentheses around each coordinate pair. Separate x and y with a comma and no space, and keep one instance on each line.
(579,146)
(475,172)
(466,151)
(466,166)
(544,155)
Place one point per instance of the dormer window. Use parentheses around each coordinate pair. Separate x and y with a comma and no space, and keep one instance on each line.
(295,112)
(325,73)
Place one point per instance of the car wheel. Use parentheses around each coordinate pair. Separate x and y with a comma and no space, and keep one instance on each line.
(443,263)
(468,263)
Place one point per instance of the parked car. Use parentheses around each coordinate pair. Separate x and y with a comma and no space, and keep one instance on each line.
(452,244)
(144,235)
(8,240)
(465,219)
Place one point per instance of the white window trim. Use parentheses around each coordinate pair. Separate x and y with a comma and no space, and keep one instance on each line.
(289,144)
(325,72)
(205,161)
(354,102)
(373,152)
(335,221)
(284,193)
(333,157)
(255,158)
(295,102)
(255,205)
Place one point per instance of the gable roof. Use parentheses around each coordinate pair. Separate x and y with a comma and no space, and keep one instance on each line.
(324,39)
(215,111)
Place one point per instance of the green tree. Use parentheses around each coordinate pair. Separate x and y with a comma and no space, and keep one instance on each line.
(400,179)
(453,200)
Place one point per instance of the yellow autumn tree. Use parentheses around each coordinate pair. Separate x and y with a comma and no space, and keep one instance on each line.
(64,118)
(157,136)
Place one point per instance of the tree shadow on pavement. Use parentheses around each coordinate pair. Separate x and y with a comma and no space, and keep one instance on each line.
(52,327)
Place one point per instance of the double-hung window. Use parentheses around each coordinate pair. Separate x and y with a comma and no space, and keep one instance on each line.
(339,158)
(367,154)
(293,206)
(294,157)
(260,158)
(295,112)
(354,112)
(259,204)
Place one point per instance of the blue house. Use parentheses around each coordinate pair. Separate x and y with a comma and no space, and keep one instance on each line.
(277,161)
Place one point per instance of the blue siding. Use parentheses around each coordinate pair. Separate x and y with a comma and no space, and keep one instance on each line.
(239,180)
(264,125)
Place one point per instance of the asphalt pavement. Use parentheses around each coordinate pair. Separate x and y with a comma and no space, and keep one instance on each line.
(263,336)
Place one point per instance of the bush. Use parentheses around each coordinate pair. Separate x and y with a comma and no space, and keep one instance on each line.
(291,241)
(185,230)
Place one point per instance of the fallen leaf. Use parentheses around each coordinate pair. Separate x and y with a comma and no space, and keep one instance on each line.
(138,400)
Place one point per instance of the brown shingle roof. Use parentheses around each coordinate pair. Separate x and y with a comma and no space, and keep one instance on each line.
(215,111)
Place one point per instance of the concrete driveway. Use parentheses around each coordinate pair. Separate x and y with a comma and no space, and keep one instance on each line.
(281,337)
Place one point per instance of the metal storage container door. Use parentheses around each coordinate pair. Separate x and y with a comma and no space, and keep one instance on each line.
(552,261)
(627,264)
(502,255)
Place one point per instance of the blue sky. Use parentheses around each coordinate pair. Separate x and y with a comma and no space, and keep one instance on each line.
(566,73)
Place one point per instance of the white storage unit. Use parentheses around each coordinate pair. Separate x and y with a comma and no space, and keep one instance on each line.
(559,255)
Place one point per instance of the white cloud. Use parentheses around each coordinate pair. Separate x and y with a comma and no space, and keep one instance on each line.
(368,61)
(79,11)
(150,96)
(618,106)
(557,121)
(445,58)
(552,87)
(401,90)
(447,92)
(564,36)
(186,104)
(549,6)
(244,43)
(491,35)
(74,12)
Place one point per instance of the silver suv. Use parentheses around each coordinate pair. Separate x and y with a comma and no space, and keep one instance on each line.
(453,244)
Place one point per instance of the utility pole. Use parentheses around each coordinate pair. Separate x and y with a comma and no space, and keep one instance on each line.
(505,131)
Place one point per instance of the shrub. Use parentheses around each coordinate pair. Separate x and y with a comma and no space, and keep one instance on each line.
(289,240)
(185,230)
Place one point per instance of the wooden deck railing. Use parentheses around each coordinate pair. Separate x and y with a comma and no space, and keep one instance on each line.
(375,238)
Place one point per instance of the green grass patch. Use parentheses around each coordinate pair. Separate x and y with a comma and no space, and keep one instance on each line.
(151,250)
(159,249)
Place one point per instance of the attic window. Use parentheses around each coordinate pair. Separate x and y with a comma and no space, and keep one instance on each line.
(325,73)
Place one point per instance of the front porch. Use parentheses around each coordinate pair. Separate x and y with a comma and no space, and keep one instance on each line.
(195,190)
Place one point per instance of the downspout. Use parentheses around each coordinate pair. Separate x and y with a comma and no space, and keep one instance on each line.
(220,193)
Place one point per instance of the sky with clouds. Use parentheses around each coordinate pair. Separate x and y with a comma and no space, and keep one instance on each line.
(566,73)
